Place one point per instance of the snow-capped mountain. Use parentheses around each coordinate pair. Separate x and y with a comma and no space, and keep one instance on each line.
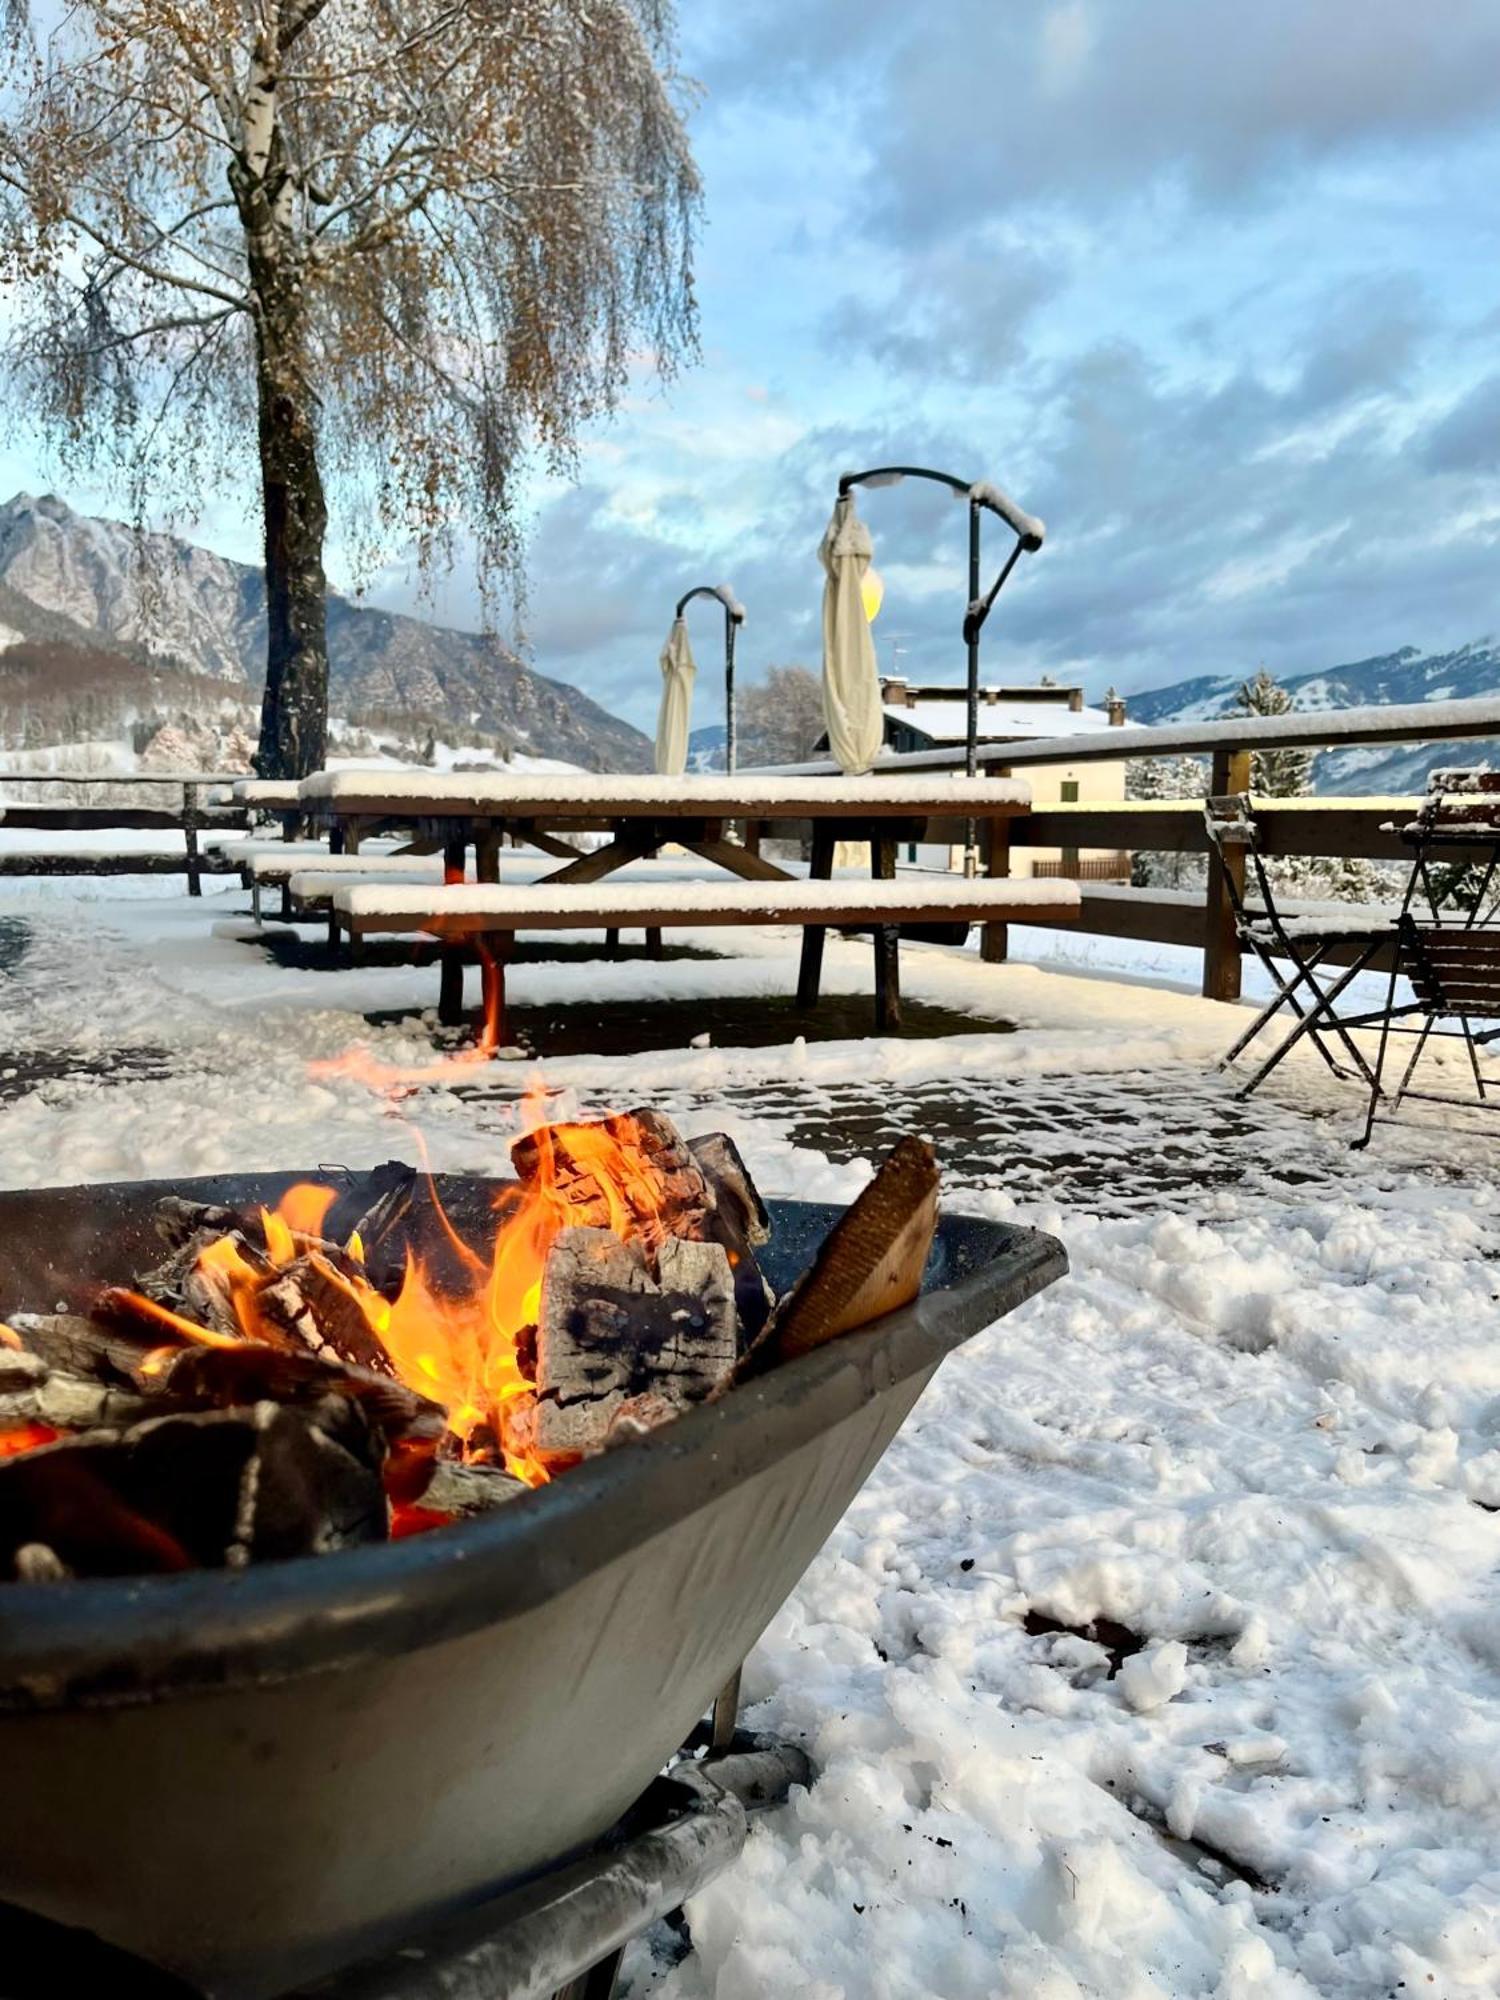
(204,614)
(1407,675)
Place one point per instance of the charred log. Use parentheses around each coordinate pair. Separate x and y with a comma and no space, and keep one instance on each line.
(619,1345)
(215,1489)
(740,1222)
(223,1377)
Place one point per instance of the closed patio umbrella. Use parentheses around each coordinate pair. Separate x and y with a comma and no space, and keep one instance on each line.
(678,672)
(851,687)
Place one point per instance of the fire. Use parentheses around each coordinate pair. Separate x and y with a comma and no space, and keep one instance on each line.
(455,1338)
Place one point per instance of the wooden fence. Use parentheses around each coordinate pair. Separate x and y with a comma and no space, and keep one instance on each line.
(1356,827)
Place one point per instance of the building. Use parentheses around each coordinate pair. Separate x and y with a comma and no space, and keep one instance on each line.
(934,718)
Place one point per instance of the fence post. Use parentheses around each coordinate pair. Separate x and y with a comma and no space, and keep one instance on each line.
(994,939)
(1221,945)
(190,839)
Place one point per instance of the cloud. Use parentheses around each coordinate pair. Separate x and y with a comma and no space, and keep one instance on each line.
(985,108)
(1468,438)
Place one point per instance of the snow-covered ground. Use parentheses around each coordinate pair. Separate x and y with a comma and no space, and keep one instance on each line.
(1258,1427)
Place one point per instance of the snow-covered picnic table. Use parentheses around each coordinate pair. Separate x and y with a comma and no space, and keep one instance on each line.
(643,815)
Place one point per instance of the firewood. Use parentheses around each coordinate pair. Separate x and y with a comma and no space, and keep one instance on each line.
(870,1262)
(663,1194)
(728,1176)
(612,1333)
(304,1306)
(178,1221)
(464,1490)
(213,1489)
(740,1222)
(34,1391)
(223,1377)
(184,1286)
(76,1346)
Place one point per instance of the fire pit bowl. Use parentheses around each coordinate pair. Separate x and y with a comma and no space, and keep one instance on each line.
(251,1777)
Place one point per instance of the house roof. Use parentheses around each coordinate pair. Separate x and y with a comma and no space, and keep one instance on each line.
(944,718)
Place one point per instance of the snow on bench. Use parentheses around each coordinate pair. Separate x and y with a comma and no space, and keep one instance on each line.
(469,907)
(282,863)
(320,882)
(524,795)
(490,910)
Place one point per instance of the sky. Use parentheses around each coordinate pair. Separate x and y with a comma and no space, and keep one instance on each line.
(1214,290)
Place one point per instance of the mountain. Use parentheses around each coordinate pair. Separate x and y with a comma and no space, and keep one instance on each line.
(706,747)
(1407,675)
(175,604)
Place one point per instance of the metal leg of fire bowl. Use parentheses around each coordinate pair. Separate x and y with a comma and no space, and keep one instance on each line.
(563,1934)
(598,1983)
(726,1712)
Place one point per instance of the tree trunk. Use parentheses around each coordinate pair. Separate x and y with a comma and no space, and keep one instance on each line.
(294,712)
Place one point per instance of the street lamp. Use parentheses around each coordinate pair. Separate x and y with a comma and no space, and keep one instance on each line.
(1030,534)
(734,617)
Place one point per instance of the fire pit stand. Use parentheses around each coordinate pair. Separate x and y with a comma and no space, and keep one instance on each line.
(257,1779)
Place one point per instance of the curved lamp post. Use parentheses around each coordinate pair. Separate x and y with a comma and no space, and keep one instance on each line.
(734,617)
(1030,533)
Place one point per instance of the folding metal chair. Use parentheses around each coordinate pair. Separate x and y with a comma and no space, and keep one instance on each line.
(1265,932)
(1452,962)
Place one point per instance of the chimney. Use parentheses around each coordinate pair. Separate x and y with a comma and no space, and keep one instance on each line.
(893,690)
(1115,703)
(1075,701)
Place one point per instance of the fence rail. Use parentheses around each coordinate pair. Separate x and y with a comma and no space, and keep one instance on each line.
(1350,828)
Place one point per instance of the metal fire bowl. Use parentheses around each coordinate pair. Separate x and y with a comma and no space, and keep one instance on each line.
(249,1778)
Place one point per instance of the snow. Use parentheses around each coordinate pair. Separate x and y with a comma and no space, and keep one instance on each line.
(291,861)
(984,494)
(949,720)
(687,791)
(509,904)
(1410,722)
(1258,1424)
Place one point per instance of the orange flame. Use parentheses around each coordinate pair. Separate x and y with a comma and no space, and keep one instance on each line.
(454,1339)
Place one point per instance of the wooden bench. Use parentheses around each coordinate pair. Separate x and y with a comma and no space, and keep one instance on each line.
(490,914)
(292,867)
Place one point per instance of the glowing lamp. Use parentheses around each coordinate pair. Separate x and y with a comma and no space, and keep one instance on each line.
(872,592)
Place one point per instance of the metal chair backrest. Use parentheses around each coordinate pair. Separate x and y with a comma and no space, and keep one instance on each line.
(1231,825)
(1455,974)
(1462,810)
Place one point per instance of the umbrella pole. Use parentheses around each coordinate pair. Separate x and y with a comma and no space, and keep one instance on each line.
(729,743)
(971,745)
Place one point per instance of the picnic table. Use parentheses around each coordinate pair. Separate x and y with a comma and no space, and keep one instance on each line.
(473,813)
(190,818)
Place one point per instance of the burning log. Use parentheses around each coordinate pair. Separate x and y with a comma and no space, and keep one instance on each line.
(620,1349)
(740,1222)
(215,1489)
(223,1377)
(462,1490)
(632,1173)
(33,1391)
(315,1308)
(869,1263)
(72,1345)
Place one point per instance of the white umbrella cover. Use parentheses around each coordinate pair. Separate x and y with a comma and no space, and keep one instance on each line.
(851,686)
(678,672)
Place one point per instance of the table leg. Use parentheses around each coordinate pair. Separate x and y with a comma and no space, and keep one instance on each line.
(653,944)
(451,965)
(887,946)
(810,976)
(994,939)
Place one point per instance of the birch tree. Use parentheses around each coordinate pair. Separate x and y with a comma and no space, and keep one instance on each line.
(388,247)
